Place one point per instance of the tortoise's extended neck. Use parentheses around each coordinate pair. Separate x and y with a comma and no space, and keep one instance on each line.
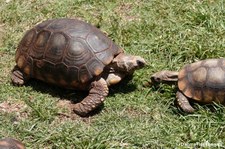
(165,76)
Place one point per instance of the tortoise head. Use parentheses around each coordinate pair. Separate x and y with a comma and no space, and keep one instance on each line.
(128,63)
(164,77)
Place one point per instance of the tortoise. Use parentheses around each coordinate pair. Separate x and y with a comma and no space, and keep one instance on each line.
(202,81)
(10,143)
(75,55)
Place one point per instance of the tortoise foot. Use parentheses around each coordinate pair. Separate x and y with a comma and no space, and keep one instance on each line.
(17,77)
(183,103)
(97,94)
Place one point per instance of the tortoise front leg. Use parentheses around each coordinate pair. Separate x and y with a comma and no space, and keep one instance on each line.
(99,90)
(184,103)
(18,77)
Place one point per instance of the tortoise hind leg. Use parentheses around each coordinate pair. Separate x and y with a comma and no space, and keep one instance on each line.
(18,77)
(97,94)
(184,103)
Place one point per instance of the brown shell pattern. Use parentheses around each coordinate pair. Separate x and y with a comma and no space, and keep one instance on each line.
(204,81)
(66,52)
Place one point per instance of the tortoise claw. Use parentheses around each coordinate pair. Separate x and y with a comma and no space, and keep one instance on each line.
(17,77)
(97,94)
(183,103)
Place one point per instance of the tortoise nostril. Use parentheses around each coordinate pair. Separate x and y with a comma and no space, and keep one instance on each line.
(158,79)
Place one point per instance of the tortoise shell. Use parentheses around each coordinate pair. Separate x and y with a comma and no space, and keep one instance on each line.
(203,81)
(66,52)
(11,143)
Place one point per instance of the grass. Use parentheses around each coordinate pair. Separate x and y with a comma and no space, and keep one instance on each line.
(167,33)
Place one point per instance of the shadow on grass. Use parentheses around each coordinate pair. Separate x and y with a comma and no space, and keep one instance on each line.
(75,96)
(197,105)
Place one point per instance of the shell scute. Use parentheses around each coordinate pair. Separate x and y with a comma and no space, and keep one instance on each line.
(95,66)
(198,76)
(43,70)
(208,95)
(42,39)
(78,30)
(193,66)
(220,97)
(210,63)
(56,47)
(73,74)
(188,92)
(98,42)
(43,25)
(84,74)
(197,95)
(27,39)
(105,57)
(216,77)
(77,54)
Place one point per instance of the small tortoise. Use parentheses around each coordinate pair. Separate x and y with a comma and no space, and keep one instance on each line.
(202,81)
(75,55)
(10,143)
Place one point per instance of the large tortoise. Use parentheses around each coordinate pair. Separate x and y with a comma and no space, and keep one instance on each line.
(202,81)
(73,54)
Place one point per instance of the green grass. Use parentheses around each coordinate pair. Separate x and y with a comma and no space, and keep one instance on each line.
(167,33)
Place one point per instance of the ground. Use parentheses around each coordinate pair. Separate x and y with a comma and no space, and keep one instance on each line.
(167,33)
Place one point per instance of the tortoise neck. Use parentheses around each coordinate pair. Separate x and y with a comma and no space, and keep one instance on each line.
(165,76)
(171,76)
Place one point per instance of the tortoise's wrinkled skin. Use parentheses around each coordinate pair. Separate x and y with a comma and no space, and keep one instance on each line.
(10,143)
(202,81)
(73,54)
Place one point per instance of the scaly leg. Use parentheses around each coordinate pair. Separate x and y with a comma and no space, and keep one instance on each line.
(18,77)
(184,103)
(97,94)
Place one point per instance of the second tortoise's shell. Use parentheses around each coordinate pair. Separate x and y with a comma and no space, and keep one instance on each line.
(66,52)
(204,81)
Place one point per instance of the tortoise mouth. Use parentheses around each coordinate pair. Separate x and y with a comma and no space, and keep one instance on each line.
(139,65)
(155,79)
